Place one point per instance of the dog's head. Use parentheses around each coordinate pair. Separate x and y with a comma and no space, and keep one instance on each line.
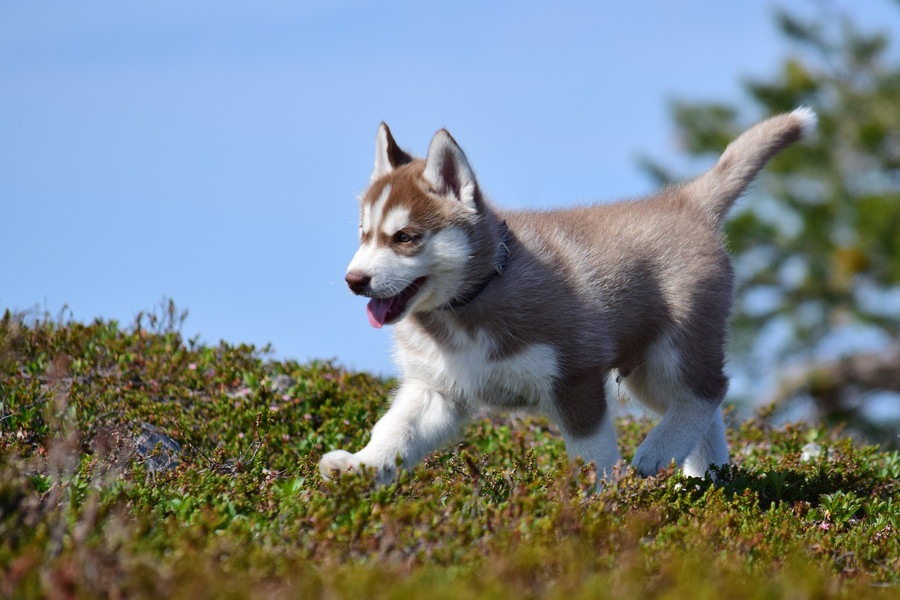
(416,227)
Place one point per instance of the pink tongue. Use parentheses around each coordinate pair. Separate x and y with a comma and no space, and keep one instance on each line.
(377,310)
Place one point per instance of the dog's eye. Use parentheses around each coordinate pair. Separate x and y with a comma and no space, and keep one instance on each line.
(401,237)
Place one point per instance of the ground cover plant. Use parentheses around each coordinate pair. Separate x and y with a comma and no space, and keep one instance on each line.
(135,463)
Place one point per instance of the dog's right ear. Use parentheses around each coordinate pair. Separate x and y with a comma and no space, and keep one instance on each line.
(388,155)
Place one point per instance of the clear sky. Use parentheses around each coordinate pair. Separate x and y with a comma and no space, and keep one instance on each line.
(212,152)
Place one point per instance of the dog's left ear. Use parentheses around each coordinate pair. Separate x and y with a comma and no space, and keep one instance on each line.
(388,155)
(448,171)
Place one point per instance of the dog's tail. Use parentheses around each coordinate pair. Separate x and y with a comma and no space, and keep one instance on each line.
(716,190)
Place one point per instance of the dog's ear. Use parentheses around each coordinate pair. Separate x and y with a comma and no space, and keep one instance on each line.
(448,171)
(388,155)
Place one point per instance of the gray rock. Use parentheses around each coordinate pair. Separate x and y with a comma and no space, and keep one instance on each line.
(282,383)
(158,451)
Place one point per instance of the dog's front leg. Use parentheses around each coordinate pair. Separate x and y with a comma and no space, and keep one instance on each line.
(419,421)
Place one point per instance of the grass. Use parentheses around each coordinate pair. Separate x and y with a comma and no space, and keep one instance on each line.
(134,463)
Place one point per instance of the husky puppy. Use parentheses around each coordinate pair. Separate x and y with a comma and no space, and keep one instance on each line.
(533,309)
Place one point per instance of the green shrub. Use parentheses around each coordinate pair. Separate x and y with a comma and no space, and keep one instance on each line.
(135,463)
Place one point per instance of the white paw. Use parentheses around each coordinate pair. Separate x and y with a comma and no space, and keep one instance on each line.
(336,463)
(649,462)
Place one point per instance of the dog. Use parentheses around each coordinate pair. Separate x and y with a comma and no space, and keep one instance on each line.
(534,310)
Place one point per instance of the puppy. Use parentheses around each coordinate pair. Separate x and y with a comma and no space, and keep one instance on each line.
(534,309)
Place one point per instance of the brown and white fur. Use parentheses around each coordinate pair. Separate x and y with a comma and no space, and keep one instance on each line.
(536,317)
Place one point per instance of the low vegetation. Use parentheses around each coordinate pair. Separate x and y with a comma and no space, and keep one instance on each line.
(134,463)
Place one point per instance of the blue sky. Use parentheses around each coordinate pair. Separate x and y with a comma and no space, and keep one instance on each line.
(212,152)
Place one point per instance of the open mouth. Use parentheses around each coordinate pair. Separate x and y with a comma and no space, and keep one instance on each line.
(383,311)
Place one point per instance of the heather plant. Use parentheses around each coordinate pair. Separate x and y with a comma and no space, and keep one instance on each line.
(134,462)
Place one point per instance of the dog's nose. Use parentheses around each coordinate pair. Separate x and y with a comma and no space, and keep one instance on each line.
(358,282)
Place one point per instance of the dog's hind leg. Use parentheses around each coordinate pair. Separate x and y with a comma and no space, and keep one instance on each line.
(687,391)
(598,447)
(711,450)
(586,422)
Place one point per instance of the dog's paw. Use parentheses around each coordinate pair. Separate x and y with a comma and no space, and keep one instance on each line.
(648,463)
(338,462)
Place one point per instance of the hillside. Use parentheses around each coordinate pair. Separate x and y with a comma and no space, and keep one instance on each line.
(135,463)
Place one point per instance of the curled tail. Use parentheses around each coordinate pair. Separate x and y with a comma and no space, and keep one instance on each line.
(715,191)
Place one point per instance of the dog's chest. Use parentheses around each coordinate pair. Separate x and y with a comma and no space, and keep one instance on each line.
(466,367)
